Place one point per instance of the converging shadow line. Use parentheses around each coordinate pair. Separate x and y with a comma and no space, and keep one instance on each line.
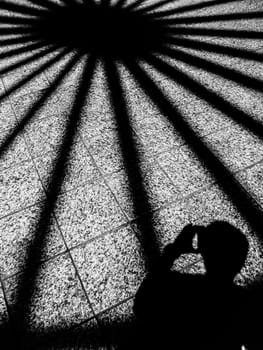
(27,60)
(227,108)
(215,48)
(132,163)
(17,20)
(189,8)
(120,4)
(241,199)
(38,104)
(23,39)
(35,73)
(33,261)
(134,5)
(21,50)
(211,32)
(16,30)
(211,18)
(21,8)
(153,6)
(214,68)
(47,4)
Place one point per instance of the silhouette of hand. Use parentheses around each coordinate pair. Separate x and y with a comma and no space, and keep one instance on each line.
(183,243)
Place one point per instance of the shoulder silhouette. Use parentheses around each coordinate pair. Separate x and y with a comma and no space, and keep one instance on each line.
(183,311)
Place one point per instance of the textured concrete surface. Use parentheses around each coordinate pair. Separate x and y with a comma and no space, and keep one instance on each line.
(93,259)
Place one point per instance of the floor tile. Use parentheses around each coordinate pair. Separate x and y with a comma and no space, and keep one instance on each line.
(39,82)
(110,267)
(19,188)
(189,263)
(87,212)
(248,100)
(95,124)
(46,135)
(23,104)
(2,87)
(235,147)
(7,117)
(58,299)
(17,233)
(158,189)
(157,135)
(186,172)
(14,152)
(198,113)
(106,151)
(65,95)
(80,168)
(242,65)
(139,105)
(53,72)
(251,179)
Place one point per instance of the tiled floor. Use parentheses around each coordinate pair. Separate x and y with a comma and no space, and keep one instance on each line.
(93,259)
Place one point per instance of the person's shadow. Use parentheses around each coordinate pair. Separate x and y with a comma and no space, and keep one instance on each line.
(184,311)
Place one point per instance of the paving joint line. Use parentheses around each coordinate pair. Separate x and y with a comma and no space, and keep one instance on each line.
(60,231)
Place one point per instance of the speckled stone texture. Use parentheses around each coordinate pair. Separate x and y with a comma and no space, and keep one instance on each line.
(111,267)
(37,83)
(3,309)
(57,290)
(17,232)
(94,257)
(159,189)
(15,153)
(87,212)
(81,168)
(19,187)
(22,105)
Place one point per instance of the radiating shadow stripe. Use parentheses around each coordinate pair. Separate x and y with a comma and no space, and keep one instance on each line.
(228,109)
(18,40)
(152,6)
(211,18)
(132,164)
(16,20)
(215,48)
(20,8)
(27,279)
(211,32)
(16,30)
(25,61)
(214,68)
(9,139)
(47,4)
(241,199)
(189,8)
(36,72)
(21,50)
(135,4)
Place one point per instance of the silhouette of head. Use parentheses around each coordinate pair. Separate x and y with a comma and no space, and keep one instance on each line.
(224,249)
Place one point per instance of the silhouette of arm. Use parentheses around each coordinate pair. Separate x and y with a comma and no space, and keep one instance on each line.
(181,245)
